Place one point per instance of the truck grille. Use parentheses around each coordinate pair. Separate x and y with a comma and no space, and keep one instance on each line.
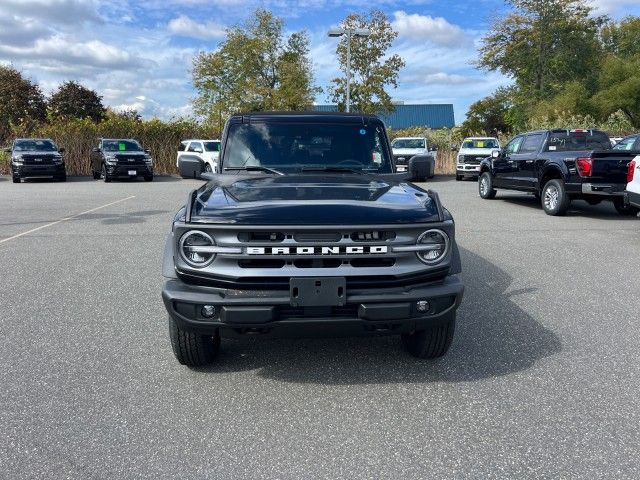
(130,160)
(402,159)
(473,159)
(267,258)
(31,159)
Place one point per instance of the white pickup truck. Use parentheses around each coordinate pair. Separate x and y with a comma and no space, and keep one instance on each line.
(472,152)
(405,148)
(633,185)
(207,151)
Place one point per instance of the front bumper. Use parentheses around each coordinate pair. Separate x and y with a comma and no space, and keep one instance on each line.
(634,199)
(125,171)
(463,169)
(366,312)
(38,171)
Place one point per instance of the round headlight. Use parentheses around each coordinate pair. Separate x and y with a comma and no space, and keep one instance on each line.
(436,244)
(195,248)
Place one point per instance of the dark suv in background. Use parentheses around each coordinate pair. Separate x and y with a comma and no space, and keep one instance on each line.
(121,158)
(36,158)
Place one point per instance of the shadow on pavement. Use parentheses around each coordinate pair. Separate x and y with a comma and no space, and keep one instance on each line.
(494,337)
(122,219)
(602,211)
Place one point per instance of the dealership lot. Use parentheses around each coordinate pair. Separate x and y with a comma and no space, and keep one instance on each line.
(542,379)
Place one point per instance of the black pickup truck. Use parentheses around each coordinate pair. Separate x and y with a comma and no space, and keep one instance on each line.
(558,166)
(307,231)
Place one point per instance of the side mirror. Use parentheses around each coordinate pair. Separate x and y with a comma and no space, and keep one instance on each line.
(61,150)
(146,150)
(96,150)
(454,148)
(421,167)
(7,149)
(433,148)
(495,153)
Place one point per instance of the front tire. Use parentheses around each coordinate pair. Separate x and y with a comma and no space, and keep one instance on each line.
(16,179)
(432,342)
(485,186)
(104,175)
(555,200)
(459,178)
(625,210)
(192,349)
(96,175)
(148,178)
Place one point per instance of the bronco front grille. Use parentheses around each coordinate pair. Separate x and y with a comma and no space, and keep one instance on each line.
(266,258)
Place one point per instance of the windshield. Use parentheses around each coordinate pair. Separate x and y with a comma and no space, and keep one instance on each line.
(567,141)
(121,146)
(408,143)
(35,146)
(304,146)
(481,143)
(211,146)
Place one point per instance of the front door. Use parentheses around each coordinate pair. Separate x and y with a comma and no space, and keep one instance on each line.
(504,166)
(525,161)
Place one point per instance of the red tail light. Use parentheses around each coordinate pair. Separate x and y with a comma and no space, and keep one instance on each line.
(632,169)
(585,166)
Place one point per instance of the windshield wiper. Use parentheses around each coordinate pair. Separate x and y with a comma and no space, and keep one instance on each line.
(330,169)
(254,168)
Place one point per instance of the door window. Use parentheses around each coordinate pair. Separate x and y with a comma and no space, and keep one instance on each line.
(513,146)
(625,144)
(532,143)
(195,147)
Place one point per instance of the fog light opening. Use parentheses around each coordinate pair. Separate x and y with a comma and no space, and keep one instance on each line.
(208,311)
(423,306)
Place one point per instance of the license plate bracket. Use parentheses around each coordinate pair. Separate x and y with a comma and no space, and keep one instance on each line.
(318,292)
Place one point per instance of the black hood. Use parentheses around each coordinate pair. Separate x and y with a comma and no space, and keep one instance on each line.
(309,199)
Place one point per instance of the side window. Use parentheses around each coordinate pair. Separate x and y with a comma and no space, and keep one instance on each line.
(193,146)
(182,147)
(625,144)
(513,146)
(532,143)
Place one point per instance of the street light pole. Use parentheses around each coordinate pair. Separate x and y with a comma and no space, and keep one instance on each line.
(349,32)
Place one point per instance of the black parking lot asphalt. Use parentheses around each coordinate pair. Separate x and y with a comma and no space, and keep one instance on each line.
(542,380)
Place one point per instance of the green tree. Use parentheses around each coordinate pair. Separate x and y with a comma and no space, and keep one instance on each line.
(21,101)
(254,68)
(491,115)
(372,70)
(543,44)
(622,39)
(72,100)
(619,88)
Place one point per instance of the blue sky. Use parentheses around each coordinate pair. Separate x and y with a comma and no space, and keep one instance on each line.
(138,54)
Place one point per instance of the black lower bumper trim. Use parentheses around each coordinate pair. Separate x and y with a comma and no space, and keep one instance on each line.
(366,312)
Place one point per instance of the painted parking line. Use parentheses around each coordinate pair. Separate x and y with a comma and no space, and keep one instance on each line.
(65,219)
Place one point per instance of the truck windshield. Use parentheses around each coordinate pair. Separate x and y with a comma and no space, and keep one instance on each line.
(480,143)
(211,146)
(121,146)
(408,143)
(306,146)
(35,146)
(568,141)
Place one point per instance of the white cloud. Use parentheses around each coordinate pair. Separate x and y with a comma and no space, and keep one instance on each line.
(60,50)
(614,6)
(187,27)
(54,11)
(436,30)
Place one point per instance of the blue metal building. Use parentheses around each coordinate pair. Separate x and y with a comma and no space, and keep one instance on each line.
(407,116)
